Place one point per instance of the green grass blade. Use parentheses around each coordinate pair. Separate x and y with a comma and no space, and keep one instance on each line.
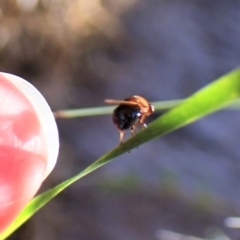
(213,97)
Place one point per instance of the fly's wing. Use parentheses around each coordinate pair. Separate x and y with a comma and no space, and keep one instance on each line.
(116,102)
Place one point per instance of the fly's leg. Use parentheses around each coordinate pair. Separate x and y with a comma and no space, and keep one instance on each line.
(132,130)
(142,121)
(121,133)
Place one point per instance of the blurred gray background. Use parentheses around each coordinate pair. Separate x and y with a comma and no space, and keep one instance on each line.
(80,52)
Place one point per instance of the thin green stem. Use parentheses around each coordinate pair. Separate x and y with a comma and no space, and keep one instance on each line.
(106,110)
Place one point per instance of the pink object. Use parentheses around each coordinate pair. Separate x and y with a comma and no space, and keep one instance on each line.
(28,145)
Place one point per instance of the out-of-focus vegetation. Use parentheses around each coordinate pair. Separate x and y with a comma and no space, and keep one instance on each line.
(79,52)
(43,36)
